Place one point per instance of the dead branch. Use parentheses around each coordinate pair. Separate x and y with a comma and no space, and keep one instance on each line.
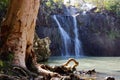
(70,60)
(46,72)
(57,71)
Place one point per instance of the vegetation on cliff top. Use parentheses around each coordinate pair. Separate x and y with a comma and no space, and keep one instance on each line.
(110,5)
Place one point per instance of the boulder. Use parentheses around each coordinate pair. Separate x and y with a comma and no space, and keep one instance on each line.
(109,78)
(41,48)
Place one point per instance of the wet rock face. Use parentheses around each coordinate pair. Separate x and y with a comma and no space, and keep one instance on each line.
(57,43)
(100,34)
(100,46)
(54,36)
(41,48)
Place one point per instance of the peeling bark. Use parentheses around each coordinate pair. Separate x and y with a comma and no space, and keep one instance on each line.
(17,37)
(17,31)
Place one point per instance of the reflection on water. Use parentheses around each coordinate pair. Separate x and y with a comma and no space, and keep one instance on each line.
(106,66)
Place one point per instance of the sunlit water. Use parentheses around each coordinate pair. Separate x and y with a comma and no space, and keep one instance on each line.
(105,66)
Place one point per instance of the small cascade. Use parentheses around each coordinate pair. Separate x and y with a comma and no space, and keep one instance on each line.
(77,43)
(65,36)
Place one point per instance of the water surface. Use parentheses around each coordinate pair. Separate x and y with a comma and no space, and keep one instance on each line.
(105,66)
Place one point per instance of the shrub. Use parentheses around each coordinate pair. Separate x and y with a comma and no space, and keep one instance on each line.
(3,8)
(3,4)
(110,5)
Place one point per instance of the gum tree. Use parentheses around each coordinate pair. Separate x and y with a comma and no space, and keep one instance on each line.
(17,32)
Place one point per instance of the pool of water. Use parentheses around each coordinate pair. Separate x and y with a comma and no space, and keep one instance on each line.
(105,66)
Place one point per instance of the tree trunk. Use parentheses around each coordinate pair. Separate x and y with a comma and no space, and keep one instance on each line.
(17,34)
(17,31)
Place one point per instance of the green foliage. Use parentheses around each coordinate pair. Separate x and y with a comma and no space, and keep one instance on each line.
(110,5)
(53,3)
(3,8)
(1,63)
(10,57)
(3,4)
(113,34)
(98,3)
(5,65)
(48,8)
(113,6)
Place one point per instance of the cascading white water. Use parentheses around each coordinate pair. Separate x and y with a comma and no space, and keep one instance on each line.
(77,43)
(65,36)
(67,39)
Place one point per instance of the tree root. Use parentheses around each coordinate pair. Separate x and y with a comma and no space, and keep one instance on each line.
(7,77)
(43,70)
(23,71)
(57,71)
(46,72)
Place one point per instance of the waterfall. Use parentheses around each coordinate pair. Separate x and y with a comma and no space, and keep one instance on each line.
(65,37)
(77,43)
